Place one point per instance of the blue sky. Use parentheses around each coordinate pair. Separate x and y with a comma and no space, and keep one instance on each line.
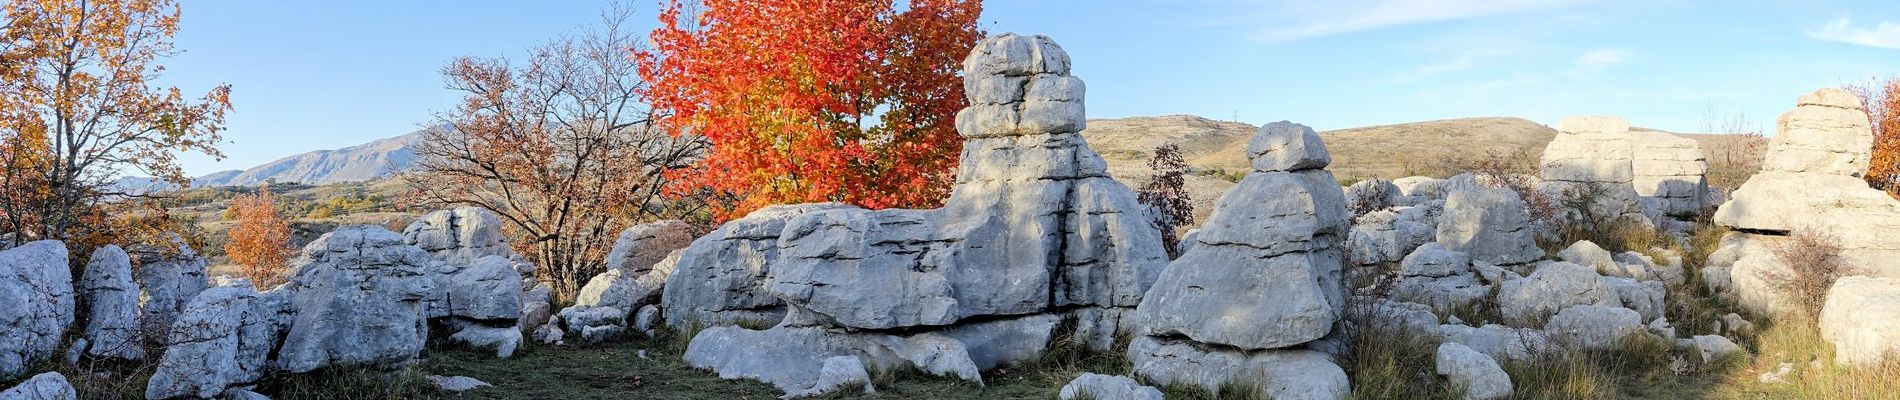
(311,75)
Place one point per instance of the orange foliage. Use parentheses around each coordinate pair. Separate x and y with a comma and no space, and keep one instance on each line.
(76,109)
(1883,109)
(814,100)
(260,242)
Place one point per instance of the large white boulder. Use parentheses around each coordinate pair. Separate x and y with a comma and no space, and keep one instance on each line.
(357,294)
(1492,225)
(112,299)
(1555,286)
(1279,374)
(1862,319)
(1590,326)
(641,246)
(1105,387)
(36,289)
(1389,235)
(1479,377)
(46,386)
(721,277)
(1672,169)
(1439,277)
(223,340)
(1498,341)
(459,236)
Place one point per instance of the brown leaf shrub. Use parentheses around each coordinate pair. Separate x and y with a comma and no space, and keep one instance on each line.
(1814,262)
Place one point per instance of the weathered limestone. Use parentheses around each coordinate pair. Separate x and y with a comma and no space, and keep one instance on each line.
(720,279)
(112,299)
(1811,180)
(458,236)
(36,304)
(1476,374)
(1552,288)
(1440,278)
(222,340)
(1672,170)
(1416,190)
(642,246)
(168,277)
(1713,347)
(1489,224)
(1862,319)
(1389,235)
(1498,341)
(1269,255)
(357,294)
(1371,195)
(1593,154)
(1645,297)
(1035,231)
(1280,374)
(46,386)
(1592,326)
(1105,387)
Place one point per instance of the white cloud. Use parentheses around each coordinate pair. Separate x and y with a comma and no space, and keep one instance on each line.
(1291,20)
(1594,61)
(1884,35)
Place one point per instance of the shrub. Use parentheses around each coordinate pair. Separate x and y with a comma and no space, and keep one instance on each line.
(1166,195)
(261,239)
(1882,100)
(1814,262)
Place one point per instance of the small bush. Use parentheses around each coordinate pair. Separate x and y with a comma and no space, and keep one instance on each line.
(1814,262)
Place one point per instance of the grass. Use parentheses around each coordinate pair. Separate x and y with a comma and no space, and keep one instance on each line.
(615,371)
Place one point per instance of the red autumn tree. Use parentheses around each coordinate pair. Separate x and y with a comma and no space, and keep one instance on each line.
(813,100)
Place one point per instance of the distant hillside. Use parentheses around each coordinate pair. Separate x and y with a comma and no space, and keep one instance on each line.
(1216,150)
(376,159)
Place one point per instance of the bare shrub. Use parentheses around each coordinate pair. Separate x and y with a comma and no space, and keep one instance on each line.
(1737,155)
(1814,262)
(1369,195)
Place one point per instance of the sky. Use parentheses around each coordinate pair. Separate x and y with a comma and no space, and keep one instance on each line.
(310,75)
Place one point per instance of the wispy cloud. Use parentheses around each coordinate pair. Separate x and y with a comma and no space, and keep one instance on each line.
(1594,61)
(1884,35)
(1290,20)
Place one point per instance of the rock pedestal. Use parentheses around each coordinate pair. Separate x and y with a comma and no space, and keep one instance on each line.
(1035,231)
(1810,181)
(1268,257)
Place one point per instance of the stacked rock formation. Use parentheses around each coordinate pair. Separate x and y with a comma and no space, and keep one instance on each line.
(482,288)
(36,289)
(1034,232)
(642,259)
(1264,279)
(1650,173)
(1810,183)
(1593,154)
(1671,175)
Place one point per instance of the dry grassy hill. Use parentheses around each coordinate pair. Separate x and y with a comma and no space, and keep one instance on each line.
(1216,150)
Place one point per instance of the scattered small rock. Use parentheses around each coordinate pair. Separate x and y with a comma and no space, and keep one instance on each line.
(457,384)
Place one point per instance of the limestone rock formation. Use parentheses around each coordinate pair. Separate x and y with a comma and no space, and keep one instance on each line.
(1105,387)
(36,289)
(1269,256)
(46,386)
(1280,374)
(1440,278)
(638,266)
(1672,170)
(1490,224)
(1593,326)
(1478,375)
(1034,232)
(357,294)
(222,340)
(458,236)
(1810,181)
(1594,153)
(1388,235)
(112,299)
(168,277)
(1551,289)
(1862,319)
(720,278)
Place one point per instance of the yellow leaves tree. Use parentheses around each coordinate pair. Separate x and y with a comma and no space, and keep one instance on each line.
(77,109)
(260,242)
(1883,109)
